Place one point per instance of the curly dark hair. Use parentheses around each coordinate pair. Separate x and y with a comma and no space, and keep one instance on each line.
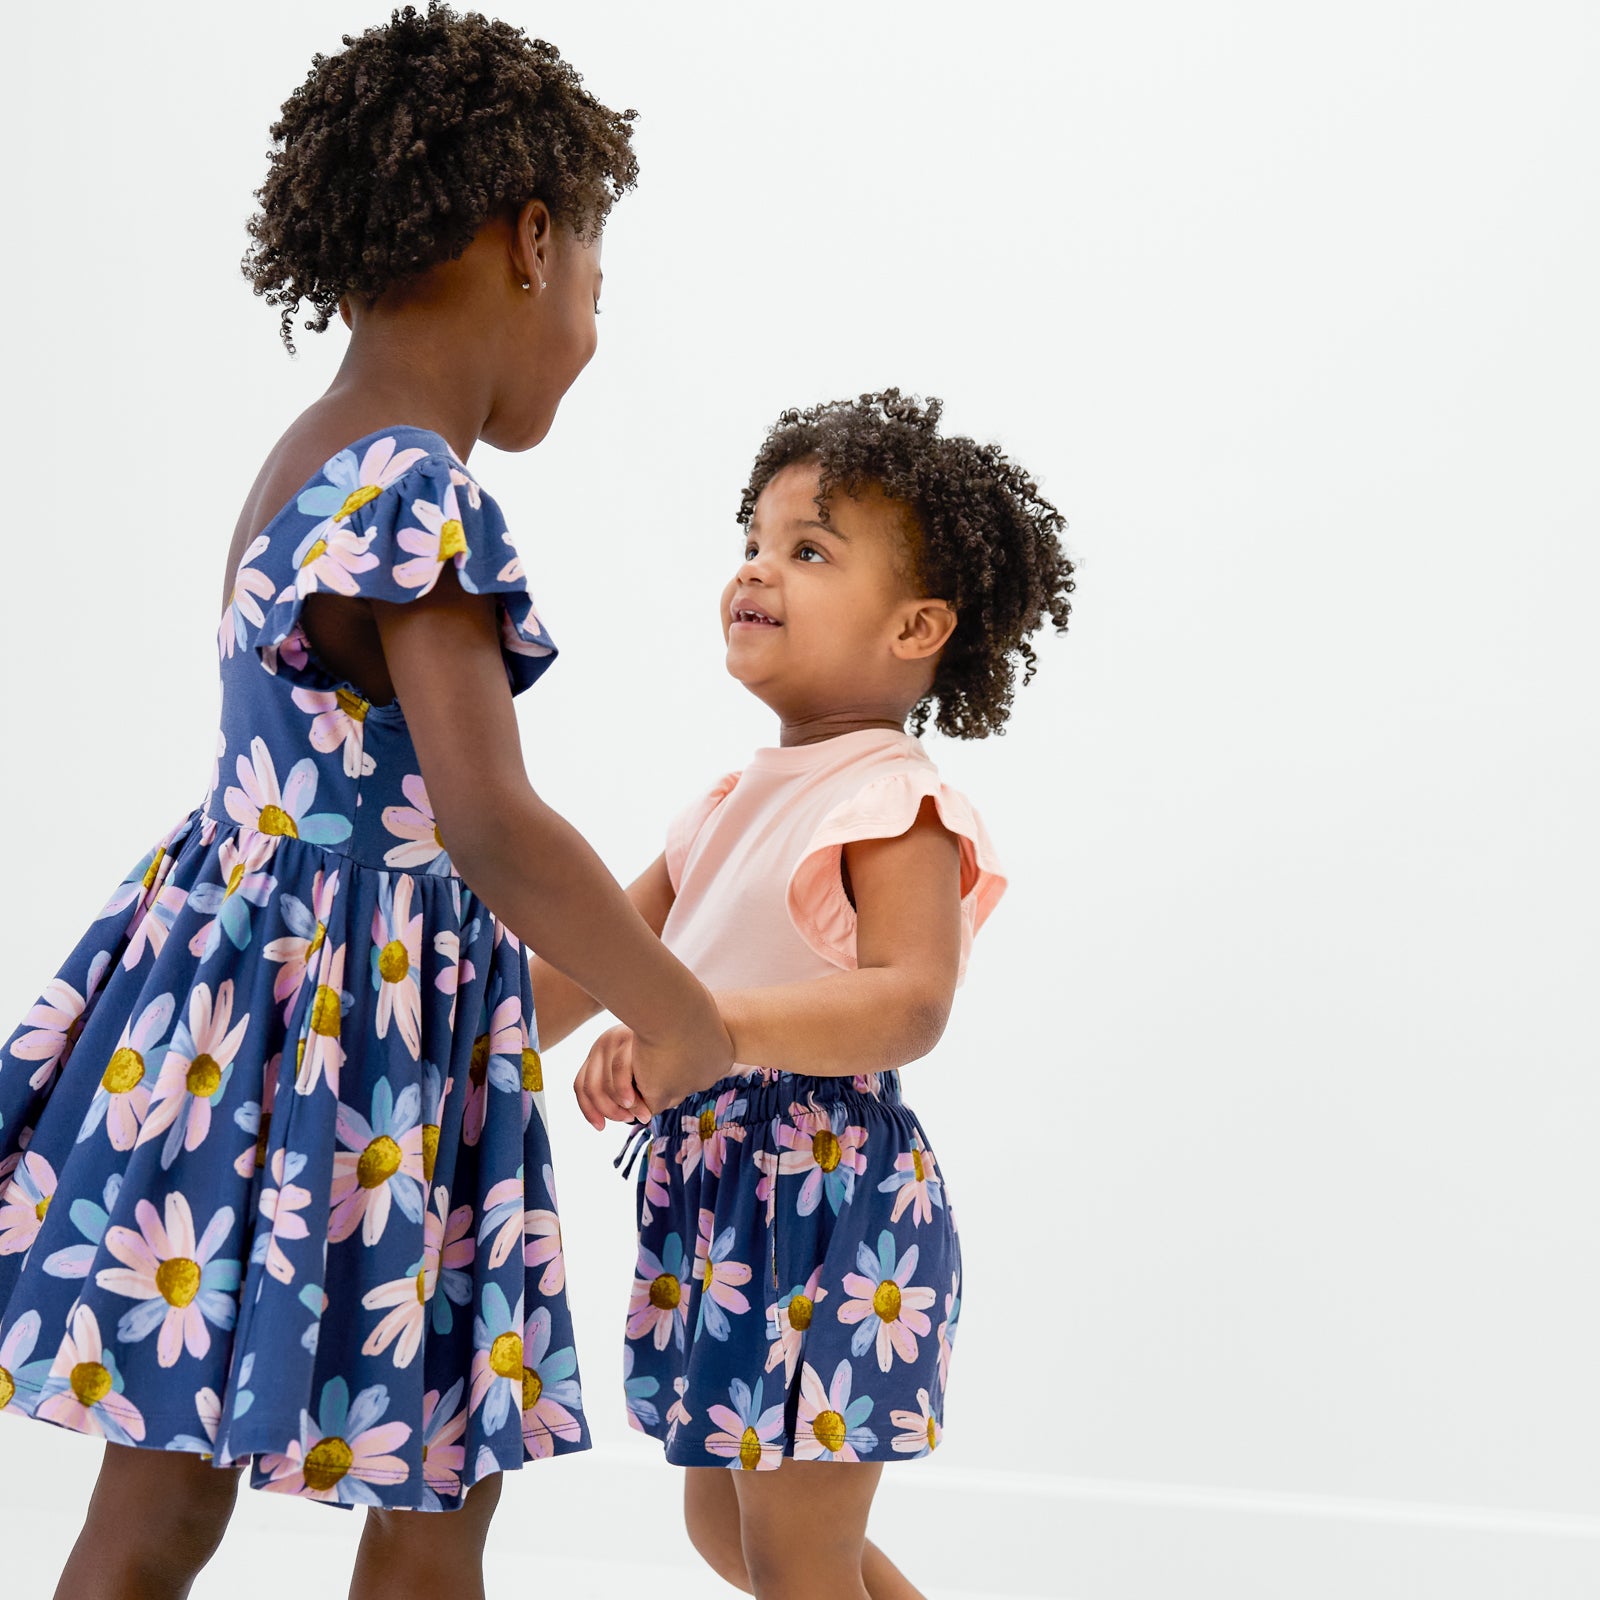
(393,153)
(981,536)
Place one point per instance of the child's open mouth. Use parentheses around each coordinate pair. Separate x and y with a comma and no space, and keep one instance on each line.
(752,617)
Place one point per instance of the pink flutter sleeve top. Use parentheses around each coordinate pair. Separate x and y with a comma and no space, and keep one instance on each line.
(756,864)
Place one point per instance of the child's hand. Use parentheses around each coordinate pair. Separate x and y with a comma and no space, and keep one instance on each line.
(604,1085)
(627,1078)
(663,1074)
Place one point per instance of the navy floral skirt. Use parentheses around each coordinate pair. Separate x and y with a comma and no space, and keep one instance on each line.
(799,1276)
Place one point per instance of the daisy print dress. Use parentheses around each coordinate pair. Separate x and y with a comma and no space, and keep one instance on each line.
(275,1184)
(798,1281)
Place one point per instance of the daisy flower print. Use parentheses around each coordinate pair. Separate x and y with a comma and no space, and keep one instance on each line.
(830,1426)
(886,1308)
(84,1389)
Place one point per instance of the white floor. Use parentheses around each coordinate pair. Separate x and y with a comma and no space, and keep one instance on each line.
(606,1523)
(562,1530)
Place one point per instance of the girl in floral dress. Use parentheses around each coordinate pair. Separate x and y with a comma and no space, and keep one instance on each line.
(799,1277)
(275,1186)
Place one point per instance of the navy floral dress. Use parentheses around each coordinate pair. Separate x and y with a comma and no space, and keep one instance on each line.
(275,1182)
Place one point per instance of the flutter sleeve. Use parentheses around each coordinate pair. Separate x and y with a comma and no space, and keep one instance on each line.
(685,827)
(885,808)
(385,530)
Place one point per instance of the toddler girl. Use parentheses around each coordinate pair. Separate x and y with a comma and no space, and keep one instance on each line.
(269,1139)
(799,1275)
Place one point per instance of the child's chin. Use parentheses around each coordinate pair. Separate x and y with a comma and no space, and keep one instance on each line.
(764,689)
(741,672)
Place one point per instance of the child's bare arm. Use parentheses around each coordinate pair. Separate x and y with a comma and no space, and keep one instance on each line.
(563,1006)
(535,871)
(893,1008)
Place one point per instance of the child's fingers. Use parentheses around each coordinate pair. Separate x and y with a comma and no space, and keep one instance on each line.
(619,1079)
(641,1109)
(592,1090)
(597,1077)
(591,1114)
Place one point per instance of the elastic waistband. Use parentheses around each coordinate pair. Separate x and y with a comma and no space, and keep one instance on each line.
(762,1102)
(761,1098)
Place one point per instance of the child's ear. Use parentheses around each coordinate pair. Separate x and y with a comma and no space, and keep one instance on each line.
(530,245)
(925,629)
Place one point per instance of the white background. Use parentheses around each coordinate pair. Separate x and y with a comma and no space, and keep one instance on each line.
(1270,1105)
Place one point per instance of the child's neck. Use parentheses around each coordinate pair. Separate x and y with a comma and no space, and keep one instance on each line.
(815,727)
(406,371)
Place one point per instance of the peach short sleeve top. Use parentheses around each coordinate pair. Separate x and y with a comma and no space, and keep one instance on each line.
(756,863)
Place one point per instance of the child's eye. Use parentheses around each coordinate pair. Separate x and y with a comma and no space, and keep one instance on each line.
(750,552)
(810,550)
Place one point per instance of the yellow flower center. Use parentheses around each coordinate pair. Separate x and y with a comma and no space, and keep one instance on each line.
(326,1463)
(666,1292)
(379,1162)
(393,962)
(825,1150)
(933,1433)
(708,1123)
(886,1300)
(325,1012)
(352,704)
(830,1430)
(800,1309)
(505,1356)
(532,1072)
(8,1387)
(436,839)
(123,1071)
(154,867)
(91,1383)
(315,553)
(452,539)
(916,1165)
(316,941)
(203,1075)
(364,496)
(275,820)
(706,1276)
(749,1450)
(422,1286)
(261,1139)
(532,1388)
(178,1280)
(42,1207)
(478,1069)
(430,1149)
(235,878)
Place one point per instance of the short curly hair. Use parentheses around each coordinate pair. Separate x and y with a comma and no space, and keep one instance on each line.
(393,153)
(981,536)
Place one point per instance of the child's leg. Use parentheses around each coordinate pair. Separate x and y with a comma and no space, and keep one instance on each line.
(421,1555)
(154,1520)
(802,1530)
(711,1516)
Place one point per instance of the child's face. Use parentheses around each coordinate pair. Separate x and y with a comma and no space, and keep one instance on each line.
(821,622)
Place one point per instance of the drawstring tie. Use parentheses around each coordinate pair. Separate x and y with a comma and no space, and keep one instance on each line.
(631,1146)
